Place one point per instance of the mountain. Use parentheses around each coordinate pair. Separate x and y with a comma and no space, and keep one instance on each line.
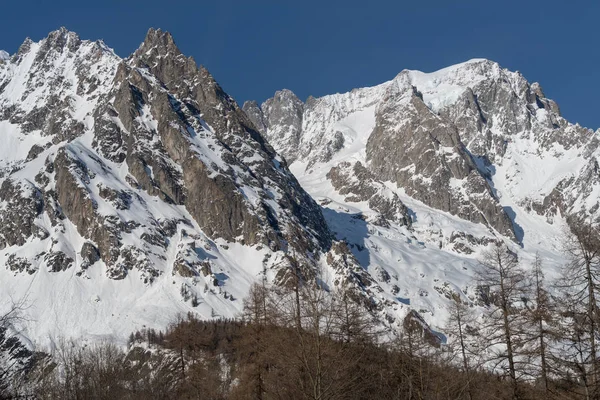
(474,140)
(136,190)
(439,165)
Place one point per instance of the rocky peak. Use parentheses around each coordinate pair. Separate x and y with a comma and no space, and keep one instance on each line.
(179,74)
(285,95)
(23,48)
(256,115)
(57,43)
(120,163)
(160,55)
(159,42)
(283,119)
(422,153)
(61,38)
(4,56)
(283,107)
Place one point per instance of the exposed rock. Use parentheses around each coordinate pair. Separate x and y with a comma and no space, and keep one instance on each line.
(89,255)
(119,198)
(416,326)
(256,115)
(213,194)
(423,153)
(77,204)
(20,264)
(359,185)
(35,151)
(465,242)
(57,261)
(21,203)
(279,119)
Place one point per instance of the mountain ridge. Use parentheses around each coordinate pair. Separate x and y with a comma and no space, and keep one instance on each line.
(472,141)
(437,91)
(134,190)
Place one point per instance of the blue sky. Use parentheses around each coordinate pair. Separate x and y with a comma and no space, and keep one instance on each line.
(321,47)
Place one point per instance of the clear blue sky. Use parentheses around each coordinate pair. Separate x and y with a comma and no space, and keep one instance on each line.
(254,48)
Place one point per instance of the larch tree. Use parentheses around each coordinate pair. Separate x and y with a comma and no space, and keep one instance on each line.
(580,284)
(539,319)
(504,280)
(461,322)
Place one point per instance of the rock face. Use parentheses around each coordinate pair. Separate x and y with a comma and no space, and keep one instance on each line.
(280,119)
(358,184)
(422,153)
(21,204)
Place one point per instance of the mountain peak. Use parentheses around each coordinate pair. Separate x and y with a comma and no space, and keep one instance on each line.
(160,40)
(286,94)
(251,103)
(158,34)
(4,55)
(62,37)
(474,66)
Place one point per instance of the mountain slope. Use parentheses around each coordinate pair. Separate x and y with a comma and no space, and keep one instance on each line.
(444,137)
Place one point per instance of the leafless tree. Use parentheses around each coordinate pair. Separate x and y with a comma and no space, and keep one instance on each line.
(462,322)
(505,284)
(15,361)
(540,332)
(580,286)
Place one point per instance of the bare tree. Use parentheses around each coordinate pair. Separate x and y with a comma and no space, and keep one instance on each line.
(259,316)
(461,321)
(505,283)
(539,319)
(15,359)
(580,285)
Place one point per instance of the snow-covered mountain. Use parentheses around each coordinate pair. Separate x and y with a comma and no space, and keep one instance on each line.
(134,190)
(473,139)
(467,155)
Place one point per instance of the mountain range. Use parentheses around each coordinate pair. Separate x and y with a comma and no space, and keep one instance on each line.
(134,190)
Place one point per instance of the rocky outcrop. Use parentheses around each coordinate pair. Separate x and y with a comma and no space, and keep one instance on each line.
(237,156)
(358,184)
(256,116)
(78,205)
(21,202)
(89,65)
